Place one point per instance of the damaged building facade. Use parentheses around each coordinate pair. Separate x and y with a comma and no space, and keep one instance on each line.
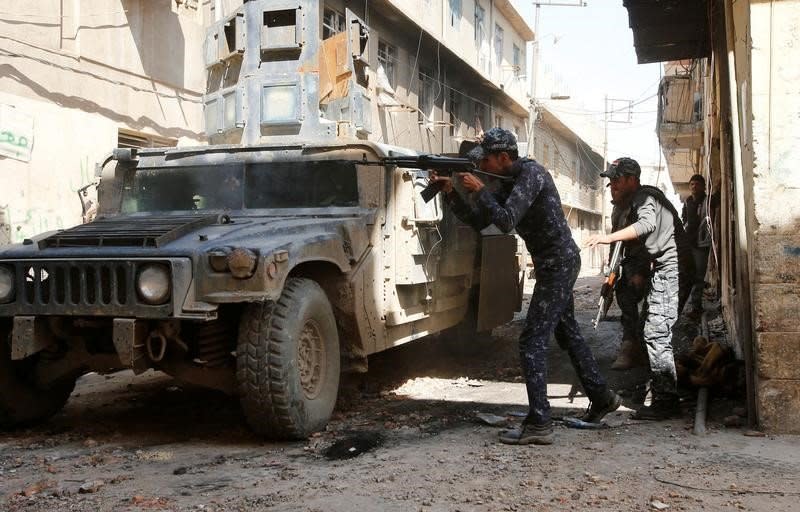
(728,110)
(79,77)
(83,76)
(575,168)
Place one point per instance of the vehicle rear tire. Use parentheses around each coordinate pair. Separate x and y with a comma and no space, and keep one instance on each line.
(288,362)
(22,401)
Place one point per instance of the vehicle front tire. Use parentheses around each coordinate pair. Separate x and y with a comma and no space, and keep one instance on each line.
(22,401)
(288,362)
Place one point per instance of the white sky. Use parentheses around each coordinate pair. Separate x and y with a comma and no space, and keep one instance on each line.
(587,52)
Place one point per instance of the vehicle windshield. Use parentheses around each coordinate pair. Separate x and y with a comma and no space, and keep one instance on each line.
(306,184)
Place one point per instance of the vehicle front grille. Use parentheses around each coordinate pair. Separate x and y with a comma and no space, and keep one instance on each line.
(105,288)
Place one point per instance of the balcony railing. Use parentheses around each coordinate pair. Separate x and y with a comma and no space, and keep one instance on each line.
(680,113)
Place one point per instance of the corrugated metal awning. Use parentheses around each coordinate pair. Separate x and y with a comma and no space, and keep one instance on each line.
(666,30)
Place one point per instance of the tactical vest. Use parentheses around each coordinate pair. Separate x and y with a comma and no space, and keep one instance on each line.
(681,239)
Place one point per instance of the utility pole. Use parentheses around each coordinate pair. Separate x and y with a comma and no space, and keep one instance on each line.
(533,109)
(608,117)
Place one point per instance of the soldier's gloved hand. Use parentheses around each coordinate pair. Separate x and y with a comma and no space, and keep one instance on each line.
(446,182)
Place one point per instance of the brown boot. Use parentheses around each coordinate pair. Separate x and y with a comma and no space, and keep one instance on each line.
(631,355)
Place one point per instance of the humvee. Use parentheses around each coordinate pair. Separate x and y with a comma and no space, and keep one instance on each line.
(264,264)
(262,271)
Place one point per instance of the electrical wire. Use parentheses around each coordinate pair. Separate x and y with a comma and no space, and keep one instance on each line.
(416,58)
(96,76)
(427,262)
(61,16)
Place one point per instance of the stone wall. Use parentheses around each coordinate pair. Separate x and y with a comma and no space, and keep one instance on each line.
(771,169)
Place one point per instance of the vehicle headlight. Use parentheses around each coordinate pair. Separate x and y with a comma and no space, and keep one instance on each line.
(242,262)
(153,284)
(6,284)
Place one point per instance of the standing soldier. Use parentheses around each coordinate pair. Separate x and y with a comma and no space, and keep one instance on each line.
(654,221)
(695,221)
(530,204)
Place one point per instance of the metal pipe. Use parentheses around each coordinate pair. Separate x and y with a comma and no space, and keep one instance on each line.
(701,410)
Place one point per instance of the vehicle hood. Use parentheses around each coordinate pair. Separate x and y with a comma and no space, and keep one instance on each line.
(191,233)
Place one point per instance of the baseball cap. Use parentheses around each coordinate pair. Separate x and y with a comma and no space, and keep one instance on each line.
(493,141)
(622,167)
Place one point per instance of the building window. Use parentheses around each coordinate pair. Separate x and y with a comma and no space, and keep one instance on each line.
(498,120)
(455,13)
(455,112)
(517,60)
(332,23)
(516,132)
(480,14)
(498,45)
(425,96)
(387,57)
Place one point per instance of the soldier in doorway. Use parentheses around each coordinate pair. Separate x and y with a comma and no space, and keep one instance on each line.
(695,221)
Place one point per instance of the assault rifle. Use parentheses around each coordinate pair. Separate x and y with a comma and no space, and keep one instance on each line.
(444,165)
(607,291)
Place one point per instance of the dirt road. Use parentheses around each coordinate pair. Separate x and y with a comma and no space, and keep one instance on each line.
(406,437)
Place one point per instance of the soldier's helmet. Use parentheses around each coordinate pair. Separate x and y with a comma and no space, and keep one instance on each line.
(622,167)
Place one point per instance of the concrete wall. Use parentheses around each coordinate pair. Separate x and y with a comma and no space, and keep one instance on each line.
(80,71)
(770,95)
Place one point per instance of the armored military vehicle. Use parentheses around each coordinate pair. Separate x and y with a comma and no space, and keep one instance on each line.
(264,267)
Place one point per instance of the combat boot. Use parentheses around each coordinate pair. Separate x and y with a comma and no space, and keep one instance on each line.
(597,410)
(631,355)
(529,433)
(660,409)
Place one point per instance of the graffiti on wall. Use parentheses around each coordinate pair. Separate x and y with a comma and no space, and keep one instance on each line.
(58,210)
(16,133)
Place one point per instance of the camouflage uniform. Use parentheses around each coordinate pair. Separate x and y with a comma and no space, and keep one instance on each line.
(531,205)
(669,286)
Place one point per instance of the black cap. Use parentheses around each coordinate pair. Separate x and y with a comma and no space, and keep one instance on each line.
(622,167)
(494,141)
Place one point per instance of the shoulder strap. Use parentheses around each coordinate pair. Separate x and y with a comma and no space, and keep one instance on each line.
(657,194)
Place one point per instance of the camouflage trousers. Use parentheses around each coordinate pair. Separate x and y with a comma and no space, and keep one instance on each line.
(665,294)
(663,300)
(552,312)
